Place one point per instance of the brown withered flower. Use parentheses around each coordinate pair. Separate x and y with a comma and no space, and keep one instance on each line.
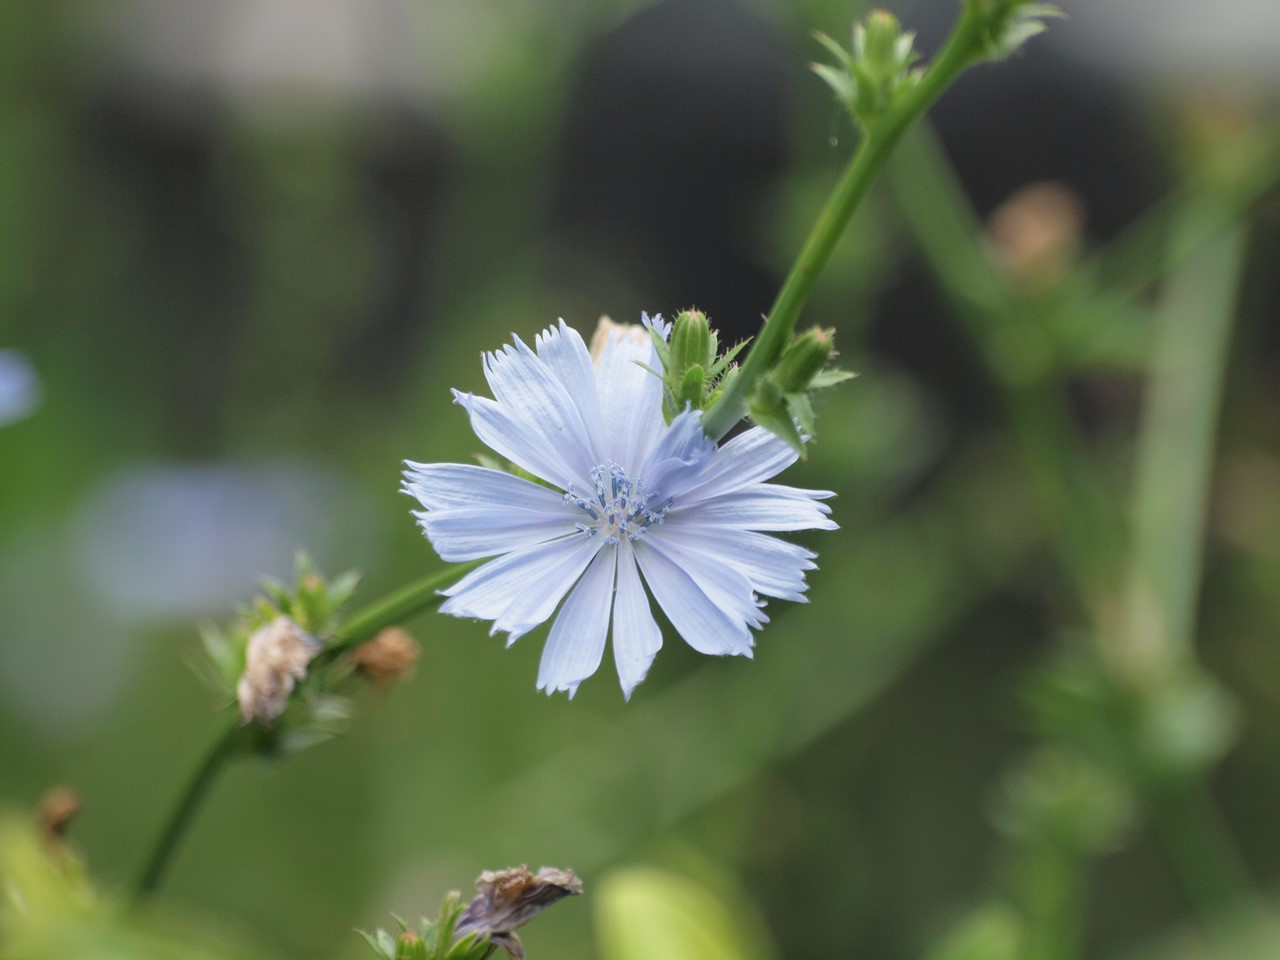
(511,898)
(388,657)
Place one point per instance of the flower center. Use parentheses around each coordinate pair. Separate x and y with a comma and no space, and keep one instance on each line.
(619,507)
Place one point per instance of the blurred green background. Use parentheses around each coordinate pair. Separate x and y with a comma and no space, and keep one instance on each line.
(247,248)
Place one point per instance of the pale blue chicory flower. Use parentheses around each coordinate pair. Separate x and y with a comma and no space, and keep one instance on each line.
(631,498)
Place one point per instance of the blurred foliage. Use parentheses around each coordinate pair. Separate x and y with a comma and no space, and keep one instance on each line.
(51,910)
(209,272)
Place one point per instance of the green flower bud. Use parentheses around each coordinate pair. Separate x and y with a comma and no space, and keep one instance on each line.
(410,946)
(692,388)
(877,44)
(803,359)
(692,343)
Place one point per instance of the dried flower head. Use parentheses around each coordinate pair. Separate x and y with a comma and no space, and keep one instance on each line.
(511,898)
(388,657)
(276,659)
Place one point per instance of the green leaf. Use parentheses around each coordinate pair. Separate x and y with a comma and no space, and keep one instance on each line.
(647,913)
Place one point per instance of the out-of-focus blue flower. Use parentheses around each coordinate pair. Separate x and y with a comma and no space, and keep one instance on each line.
(630,498)
(19,387)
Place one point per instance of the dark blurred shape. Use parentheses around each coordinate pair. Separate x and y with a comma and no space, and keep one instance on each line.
(190,105)
(58,807)
(675,133)
(1005,126)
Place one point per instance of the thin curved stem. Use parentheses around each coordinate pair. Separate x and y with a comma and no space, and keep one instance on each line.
(395,608)
(869,159)
(196,790)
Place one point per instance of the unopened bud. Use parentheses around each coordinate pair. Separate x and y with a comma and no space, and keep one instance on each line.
(388,657)
(409,946)
(692,344)
(275,660)
(879,44)
(807,354)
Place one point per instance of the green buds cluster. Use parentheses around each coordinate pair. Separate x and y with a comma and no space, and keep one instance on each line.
(1005,25)
(781,399)
(271,662)
(868,78)
(879,71)
(431,939)
(694,370)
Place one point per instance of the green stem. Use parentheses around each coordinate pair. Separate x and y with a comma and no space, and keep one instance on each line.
(1203,855)
(1175,460)
(872,153)
(1051,893)
(1176,445)
(1067,490)
(395,608)
(196,790)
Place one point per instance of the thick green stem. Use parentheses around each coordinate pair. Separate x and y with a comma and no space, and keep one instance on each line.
(869,159)
(1176,446)
(1051,894)
(1202,853)
(1175,460)
(395,608)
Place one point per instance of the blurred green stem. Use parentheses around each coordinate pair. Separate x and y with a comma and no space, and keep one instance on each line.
(1176,445)
(1174,461)
(1203,855)
(1175,458)
(396,607)
(960,51)
(1051,894)
(949,235)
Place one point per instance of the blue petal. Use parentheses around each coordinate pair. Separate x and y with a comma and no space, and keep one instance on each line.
(678,457)
(566,356)
(487,592)
(443,485)
(534,600)
(766,506)
(630,398)
(508,435)
(697,619)
(724,585)
(469,533)
(636,637)
(751,457)
(775,567)
(537,400)
(576,643)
